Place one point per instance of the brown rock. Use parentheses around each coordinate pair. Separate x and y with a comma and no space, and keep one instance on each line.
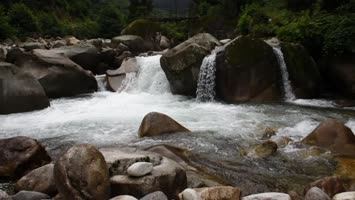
(264,150)
(39,180)
(316,194)
(267,133)
(218,193)
(82,174)
(333,135)
(20,155)
(330,185)
(155,124)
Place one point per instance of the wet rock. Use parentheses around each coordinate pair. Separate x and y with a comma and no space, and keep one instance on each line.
(124,197)
(38,180)
(20,155)
(264,150)
(267,133)
(58,75)
(122,48)
(4,195)
(333,135)
(140,169)
(20,92)
(283,141)
(225,41)
(3,53)
(346,171)
(58,43)
(155,196)
(247,70)
(154,124)
(329,185)
(122,57)
(72,41)
(29,46)
(168,177)
(133,42)
(115,77)
(182,63)
(164,43)
(303,72)
(316,194)
(268,196)
(345,196)
(81,173)
(119,160)
(30,195)
(211,193)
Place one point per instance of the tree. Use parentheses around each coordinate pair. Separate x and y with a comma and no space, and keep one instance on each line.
(23,20)
(5,29)
(140,8)
(111,22)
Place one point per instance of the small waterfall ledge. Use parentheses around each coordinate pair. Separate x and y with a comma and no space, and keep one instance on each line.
(207,78)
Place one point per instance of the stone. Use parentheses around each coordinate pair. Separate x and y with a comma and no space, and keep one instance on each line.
(164,42)
(264,150)
(115,77)
(29,46)
(316,194)
(168,177)
(3,53)
(268,196)
(303,72)
(20,91)
(119,160)
(140,169)
(182,63)
(294,195)
(39,180)
(247,71)
(30,195)
(82,173)
(212,193)
(124,197)
(72,41)
(59,43)
(58,75)
(330,185)
(267,133)
(345,196)
(122,57)
(133,42)
(283,141)
(189,194)
(4,195)
(154,124)
(155,196)
(334,136)
(20,155)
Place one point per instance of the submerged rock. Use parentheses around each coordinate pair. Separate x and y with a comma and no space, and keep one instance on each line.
(333,135)
(247,70)
(268,196)
(20,92)
(20,155)
(140,169)
(154,124)
(38,180)
(329,185)
(182,63)
(30,195)
(81,173)
(316,194)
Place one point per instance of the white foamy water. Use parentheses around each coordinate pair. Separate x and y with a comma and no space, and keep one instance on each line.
(106,118)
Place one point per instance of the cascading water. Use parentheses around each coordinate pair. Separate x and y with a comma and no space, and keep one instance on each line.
(289,95)
(206,82)
(101,83)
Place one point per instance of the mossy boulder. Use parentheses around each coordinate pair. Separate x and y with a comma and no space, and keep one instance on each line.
(134,43)
(247,70)
(143,28)
(303,71)
(182,63)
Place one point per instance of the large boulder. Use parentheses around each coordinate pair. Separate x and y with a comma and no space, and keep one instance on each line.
(85,55)
(333,135)
(168,177)
(182,63)
(303,71)
(247,70)
(58,75)
(115,77)
(19,92)
(20,155)
(154,124)
(133,42)
(82,173)
(39,180)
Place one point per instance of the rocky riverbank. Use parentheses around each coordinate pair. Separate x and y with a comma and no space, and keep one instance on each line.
(162,172)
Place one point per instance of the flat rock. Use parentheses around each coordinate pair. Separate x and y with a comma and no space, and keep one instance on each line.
(268,196)
(140,169)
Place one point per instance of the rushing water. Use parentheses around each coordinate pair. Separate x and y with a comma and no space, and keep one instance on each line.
(219,130)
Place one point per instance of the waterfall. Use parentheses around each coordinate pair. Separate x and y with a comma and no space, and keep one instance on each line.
(289,95)
(101,82)
(206,82)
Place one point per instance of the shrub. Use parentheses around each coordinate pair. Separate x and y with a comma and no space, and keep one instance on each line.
(23,20)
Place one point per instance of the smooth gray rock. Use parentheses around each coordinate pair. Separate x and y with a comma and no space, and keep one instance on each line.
(124,197)
(345,196)
(316,194)
(268,196)
(155,196)
(30,195)
(140,169)
(4,195)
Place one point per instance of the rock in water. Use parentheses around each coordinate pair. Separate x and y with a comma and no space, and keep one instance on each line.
(333,135)
(247,70)
(81,173)
(182,63)
(19,92)
(264,150)
(155,124)
(20,155)
(29,195)
(38,180)
(316,194)
(140,169)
